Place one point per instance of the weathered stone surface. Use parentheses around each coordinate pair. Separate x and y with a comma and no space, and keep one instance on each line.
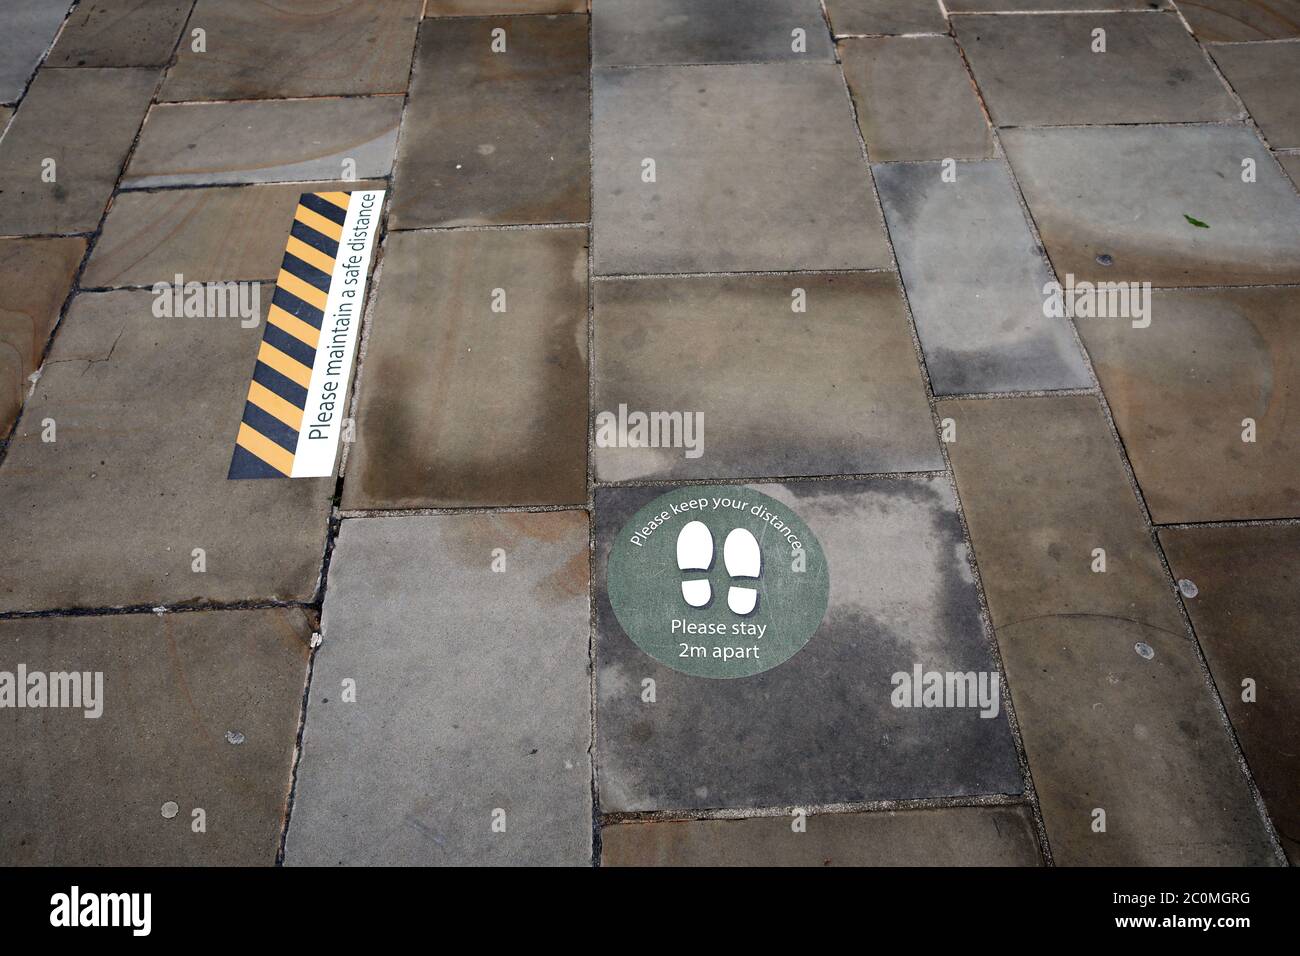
(975,281)
(496,138)
(485,8)
(954,836)
(91,791)
(1182,388)
(472,696)
(849,398)
(1246,613)
(464,406)
(757,168)
(1036,6)
(1112,705)
(1291,163)
(1141,184)
(145,412)
(120,33)
(1266,76)
(83,120)
(820,728)
(257,50)
(27,28)
(1216,20)
(876,17)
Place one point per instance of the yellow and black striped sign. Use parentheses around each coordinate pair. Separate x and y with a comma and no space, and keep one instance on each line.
(303,322)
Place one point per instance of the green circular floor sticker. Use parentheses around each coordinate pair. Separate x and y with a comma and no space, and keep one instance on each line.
(718,581)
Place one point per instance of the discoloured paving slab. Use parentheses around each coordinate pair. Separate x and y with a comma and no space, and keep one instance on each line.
(1181,389)
(974,281)
(35,278)
(657,32)
(27,28)
(463,406)
(257,50)
(849,398)
(81,791)
(914,99)
(472,696)
(1141,184)
(876,17)
(496,138)
(120,33)
(1215,20)
(1246,615)
(108,514)
(1266,77)
(1104,727)
(206,235)
(757,167)
(84,120)
(1043,70)
(266,142)
(901,594)
(955,836)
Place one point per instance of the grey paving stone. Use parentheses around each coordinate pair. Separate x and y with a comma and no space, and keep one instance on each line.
(1291,163)
(257,50)
(90,791)
(485,8)
(1104,727)
(265,142)
(1216,20)
(757,167)
(211,234)
(1032,6)
(1181,389)
(463,406)
(1266,76)
(901,593)
(109,513)
(955,836)
(1246,612)
(1139,185)
(84,120)
(885,17)
(496,138)
(472,696)
(656,32)
(975,281)
(35,279)
(27,28)
(120,33)
(848,397)
(1042,71)
(914,99)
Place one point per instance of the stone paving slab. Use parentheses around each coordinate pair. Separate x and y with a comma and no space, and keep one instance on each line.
(1266,77)
(914,99)
(1246,615)
(27,28)
(974,280)
(757,168)
(496,138)
(35,278)
(210,234)
(265,142)
(486,8)
(1140,185)
(120,33)
(1111,701)
(901,594)
(1042,70)
(848,399)
(85,120)
(1040,6)
(955,836)
(257,50)
(659,32)
(1181,389)
(110,512)
(885,17)
(472,696)
(1291,163)
(5,113)
(1218,20)
(463,406)
(94,791)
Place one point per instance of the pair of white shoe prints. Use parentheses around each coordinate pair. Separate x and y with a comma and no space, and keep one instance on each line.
(740,554)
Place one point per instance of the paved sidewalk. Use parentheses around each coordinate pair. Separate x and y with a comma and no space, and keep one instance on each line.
(925,374)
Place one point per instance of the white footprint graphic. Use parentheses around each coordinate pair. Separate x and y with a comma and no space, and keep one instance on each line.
(695,553)
(743,560)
